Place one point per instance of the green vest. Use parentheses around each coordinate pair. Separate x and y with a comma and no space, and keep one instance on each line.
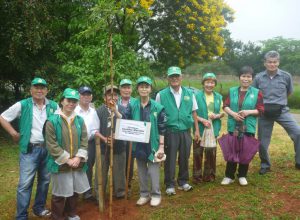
(178,119)
(249,103)
(25,123)
(56,121)
(203,112)
(155,110)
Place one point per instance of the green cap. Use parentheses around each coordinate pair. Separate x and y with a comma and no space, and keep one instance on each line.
(174,70)
(38,81)
(71,94)
(209,76)
(144,79)
(125,82)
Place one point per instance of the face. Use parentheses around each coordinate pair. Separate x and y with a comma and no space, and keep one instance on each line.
(86,98)
(38,92)
(271,64)
(175,80)
(111,97)
(68,105)
(144,89)
(209,85)
(245,80)
(125,91)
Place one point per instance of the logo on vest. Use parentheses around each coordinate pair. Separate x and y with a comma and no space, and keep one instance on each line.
(155,114)
(186,98)
(51,110)
(252,96)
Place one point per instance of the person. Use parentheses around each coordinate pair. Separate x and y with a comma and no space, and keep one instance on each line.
(66,142)
(92,123)
(243,104)
(276,85)
(209,111)
(180,106)
(125,101)
(104,113)
(148,154)
(32,113)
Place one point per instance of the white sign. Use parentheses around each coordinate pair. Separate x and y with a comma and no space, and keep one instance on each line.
(130,130)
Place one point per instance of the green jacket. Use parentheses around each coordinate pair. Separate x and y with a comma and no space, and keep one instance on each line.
(58,140)
(249,103)
(155,110)
(25,123)
(178,119)
(203,112)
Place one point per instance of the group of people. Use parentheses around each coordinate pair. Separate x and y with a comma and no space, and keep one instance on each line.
(57,141)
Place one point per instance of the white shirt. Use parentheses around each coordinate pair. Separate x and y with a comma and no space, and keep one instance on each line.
(39,117)
(91,120)
(177,96)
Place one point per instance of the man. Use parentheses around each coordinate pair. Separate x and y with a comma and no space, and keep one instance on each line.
(125,101)
(33,112)
(180,105)
(92,124)
(276,85)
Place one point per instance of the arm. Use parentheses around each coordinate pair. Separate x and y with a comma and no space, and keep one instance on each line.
(9,129)
(57,152)
(82,150)
(194,112)
(161,126)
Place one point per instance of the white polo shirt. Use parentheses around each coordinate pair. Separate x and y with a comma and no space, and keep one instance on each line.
(91,120)
(39,117)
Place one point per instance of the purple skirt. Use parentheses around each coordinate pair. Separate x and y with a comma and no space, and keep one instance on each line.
(239,150)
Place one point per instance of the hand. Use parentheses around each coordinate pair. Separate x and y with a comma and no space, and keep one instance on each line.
(206,123)
(76,162)
(112,105)
(160,153)
(244,113)
(213,116)
(16,137)
(238,117)
(197,136)
(109,140)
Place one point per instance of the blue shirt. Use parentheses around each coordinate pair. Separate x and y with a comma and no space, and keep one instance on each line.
(276,89)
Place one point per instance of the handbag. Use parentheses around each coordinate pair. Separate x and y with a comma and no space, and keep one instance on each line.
(208,137)
(272,110)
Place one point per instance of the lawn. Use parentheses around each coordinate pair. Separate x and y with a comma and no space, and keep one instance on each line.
(273,196)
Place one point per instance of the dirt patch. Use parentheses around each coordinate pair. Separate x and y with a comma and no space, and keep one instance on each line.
(120,210)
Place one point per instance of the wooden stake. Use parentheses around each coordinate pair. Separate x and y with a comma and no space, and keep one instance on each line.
(99,169)
(128,169)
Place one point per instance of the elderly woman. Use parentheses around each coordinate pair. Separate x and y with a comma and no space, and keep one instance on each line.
(209,114)
(243,104)
(66,141)
(148,155)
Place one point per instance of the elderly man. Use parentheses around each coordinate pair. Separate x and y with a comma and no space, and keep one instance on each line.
(180,105)
(276,85)
(92,123)
(125,102)
(33,112)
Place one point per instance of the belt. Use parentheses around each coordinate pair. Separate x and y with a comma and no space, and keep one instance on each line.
(41,144)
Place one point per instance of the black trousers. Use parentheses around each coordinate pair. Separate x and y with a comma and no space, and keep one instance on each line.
(231,169)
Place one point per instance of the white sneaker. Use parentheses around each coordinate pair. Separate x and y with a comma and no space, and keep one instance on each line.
(76,217)
(227,181)
(155,201)
(243,181)
(185,187)
(143,200)
(170,191)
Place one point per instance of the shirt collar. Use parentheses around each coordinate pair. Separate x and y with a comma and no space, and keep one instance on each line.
(277,73)
(173,91)
(81,109)
(46,101)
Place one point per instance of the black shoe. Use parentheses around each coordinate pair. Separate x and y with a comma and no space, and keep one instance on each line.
(297,166)
(263,171)
(44,214)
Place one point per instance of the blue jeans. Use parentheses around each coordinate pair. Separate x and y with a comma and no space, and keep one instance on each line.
(30,164)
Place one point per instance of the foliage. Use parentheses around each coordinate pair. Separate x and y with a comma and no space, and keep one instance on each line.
(216,66)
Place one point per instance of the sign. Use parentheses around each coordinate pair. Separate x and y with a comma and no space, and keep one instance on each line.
(130,130)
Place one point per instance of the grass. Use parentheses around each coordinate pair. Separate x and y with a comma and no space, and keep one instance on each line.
(272,196)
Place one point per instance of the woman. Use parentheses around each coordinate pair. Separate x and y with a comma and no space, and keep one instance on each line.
(149,154)
(243,104)
(66,141)
(209,111)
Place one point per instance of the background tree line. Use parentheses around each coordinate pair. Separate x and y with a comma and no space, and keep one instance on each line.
(66,42)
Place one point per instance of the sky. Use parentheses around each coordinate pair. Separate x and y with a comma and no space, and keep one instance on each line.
(257,20)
